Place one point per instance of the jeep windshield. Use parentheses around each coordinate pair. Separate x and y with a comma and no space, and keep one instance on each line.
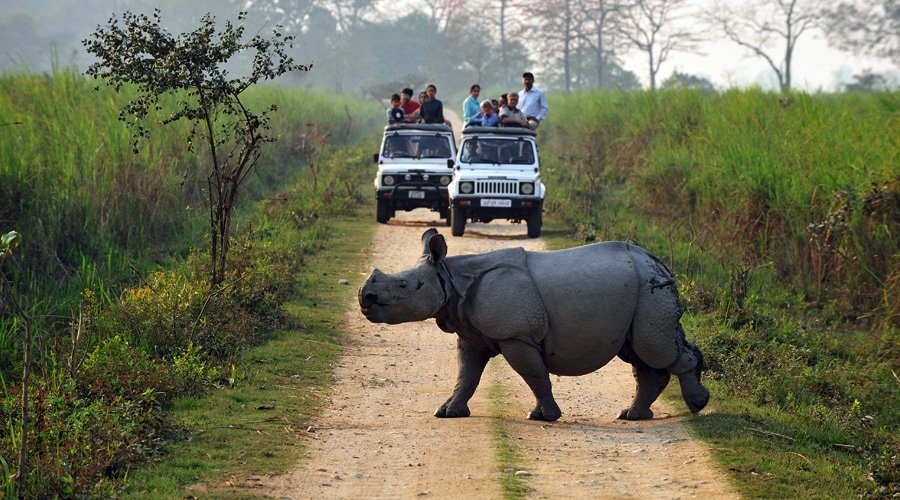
(416,146)
(498,151)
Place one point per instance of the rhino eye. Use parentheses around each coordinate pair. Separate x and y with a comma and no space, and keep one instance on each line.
(420,285)
(402,284)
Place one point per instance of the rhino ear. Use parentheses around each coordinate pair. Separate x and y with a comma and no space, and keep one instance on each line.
(435,247)
(427,236)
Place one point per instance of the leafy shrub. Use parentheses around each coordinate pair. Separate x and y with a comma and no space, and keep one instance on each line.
(189,371)
(74,443)
(116,369)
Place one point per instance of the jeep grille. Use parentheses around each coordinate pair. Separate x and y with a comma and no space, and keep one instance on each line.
(497,187)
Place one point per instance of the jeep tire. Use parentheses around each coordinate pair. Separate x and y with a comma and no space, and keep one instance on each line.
(382,212)
(457,221)
(534,221)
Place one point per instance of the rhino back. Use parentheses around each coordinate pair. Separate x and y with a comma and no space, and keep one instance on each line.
(590,294)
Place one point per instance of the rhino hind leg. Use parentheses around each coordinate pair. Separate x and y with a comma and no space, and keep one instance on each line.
(688,368)
(650,384)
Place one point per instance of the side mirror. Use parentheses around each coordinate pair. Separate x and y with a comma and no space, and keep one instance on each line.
(375,158)
(450,163)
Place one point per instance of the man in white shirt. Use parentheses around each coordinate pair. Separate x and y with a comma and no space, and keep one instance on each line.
(532,101)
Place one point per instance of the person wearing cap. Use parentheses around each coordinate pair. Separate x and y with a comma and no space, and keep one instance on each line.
(532,101)
(470,105)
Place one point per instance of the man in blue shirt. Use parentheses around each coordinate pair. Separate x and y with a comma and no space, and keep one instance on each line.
(471,108)
(532,101)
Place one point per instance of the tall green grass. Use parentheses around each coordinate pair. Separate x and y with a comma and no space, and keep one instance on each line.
(809,183)
(93,213)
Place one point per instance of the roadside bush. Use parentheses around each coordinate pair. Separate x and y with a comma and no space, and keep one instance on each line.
(116,369)
(76,444)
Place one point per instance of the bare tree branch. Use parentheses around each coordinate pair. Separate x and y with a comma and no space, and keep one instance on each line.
(648,26)
(770,28)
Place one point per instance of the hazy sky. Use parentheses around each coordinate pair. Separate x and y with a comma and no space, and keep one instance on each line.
(816,66)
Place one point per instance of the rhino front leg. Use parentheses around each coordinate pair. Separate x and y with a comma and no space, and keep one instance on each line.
(471,363)
(528,363)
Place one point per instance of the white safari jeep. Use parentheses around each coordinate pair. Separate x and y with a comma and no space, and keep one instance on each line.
(497,175)
(414,169)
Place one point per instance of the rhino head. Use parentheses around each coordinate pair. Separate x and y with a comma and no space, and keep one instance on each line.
(415,294)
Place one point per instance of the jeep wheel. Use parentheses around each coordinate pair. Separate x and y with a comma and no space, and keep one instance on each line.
(445,214)
(382,212)
(457,222)
(534,221)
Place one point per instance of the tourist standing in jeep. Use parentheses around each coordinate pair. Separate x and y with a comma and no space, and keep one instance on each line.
(471,107)
(432,110)
(532,101)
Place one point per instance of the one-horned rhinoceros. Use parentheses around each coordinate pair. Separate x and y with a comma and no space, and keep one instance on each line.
(567,312)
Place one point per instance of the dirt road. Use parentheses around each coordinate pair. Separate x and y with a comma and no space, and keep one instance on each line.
(378,439)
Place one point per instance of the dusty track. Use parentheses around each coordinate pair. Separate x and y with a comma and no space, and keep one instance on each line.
(377,437)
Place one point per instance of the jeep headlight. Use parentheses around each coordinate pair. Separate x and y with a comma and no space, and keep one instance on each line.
(526,188)
(388,180)
(445,179)
(466,187)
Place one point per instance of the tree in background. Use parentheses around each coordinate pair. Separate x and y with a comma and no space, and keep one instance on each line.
(679,80)
(867,81)
(506,23)
(769,28)
(652,27)
(556,24)
(599,33)
(140,52)
(870,27)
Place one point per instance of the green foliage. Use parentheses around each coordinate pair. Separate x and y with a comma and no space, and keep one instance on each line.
(190,371)
(808,183)
(116,369)
(107,218)
(192,66)
(77,442)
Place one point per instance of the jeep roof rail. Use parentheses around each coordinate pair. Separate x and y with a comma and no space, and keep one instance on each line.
(473,130)
(429,127)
